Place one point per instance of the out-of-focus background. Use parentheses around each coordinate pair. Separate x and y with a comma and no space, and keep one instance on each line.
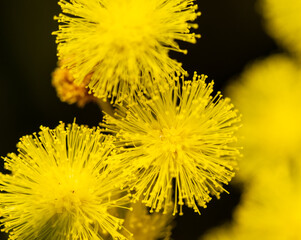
(232,36)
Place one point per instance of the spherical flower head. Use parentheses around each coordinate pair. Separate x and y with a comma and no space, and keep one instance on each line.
(123,43)
(267,95)
(61,186)
(283,22)
(68,91)
(270,207)
(182,137)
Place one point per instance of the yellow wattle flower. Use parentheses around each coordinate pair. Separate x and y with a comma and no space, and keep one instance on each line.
(283,22)
(268,95)
(123,43)
(182,136)
(61,187)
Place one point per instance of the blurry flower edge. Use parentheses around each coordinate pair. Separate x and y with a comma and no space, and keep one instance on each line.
(267,95)
(269,208)
(282,22)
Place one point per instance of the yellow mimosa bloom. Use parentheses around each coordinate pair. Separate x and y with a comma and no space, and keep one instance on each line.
(268,96)
(270,208)
(60,186)
(283,21)
(123,43)
(182,136)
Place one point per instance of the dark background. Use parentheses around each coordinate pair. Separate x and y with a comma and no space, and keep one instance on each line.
(232,36)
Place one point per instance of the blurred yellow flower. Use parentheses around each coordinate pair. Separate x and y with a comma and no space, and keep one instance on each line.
(60,186)
(145,226)
(182,136)
(283,21)
(270,208)
(268,96)
(123,43)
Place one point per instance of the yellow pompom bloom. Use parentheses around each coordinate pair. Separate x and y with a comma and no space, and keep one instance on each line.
(60,186)
(123,43)
(184,136)
(270,208)
(283,21)
(268,96)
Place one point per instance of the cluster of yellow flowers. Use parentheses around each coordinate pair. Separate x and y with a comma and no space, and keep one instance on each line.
(268,96)
(168,143)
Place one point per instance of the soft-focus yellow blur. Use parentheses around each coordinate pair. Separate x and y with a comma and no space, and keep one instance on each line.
(283,22)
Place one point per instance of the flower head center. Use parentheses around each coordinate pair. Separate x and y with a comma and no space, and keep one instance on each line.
(66,191)
(171,141)
(69,199)
(128,22)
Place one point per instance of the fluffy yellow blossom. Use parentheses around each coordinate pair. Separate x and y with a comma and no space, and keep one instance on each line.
(182,138)
(283,21)
(270,209)
(60,186)
(145,226)
(68,91)
(268,96)
(123,43)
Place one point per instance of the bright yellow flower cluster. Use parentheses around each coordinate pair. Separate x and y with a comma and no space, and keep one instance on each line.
(60,186)
(268,96)
(184,137)
(283,22)
(171,142)
(123,43)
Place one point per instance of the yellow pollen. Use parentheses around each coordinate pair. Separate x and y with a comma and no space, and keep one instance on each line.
(171,141)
